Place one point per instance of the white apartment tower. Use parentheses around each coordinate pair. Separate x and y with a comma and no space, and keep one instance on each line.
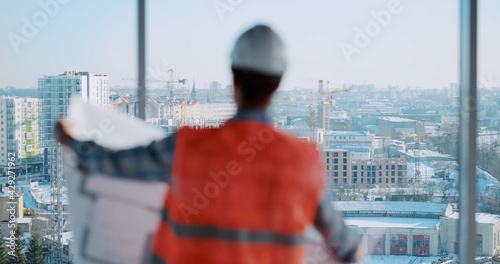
(55,91)
(97,90)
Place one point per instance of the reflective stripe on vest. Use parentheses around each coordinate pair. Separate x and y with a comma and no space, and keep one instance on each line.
(231,235)
(241,193)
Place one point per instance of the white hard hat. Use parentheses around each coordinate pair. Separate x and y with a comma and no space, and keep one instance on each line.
(261,50)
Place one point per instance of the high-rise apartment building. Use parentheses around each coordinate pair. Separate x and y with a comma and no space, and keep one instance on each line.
(19,130)
(55,91)
(97,90)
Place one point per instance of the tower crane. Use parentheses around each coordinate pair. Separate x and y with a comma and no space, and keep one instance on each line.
(325,103)
(168,82)
(326,110)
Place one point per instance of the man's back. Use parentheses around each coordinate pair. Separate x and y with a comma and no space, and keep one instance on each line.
(244,193)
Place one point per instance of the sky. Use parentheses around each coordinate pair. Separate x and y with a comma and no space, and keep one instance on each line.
(405,42)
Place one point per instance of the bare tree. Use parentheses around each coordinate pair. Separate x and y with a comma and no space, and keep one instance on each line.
(40,225)
(447,190)
(430,190)
(340,194)
(400,194)
(387,194)
(489,158)
(491,202)
(364,193)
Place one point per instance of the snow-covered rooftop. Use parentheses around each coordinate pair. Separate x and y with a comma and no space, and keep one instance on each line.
(423,153)
(392,222)
(482,218)
(43,195)
(351,147)
(24,220)
(347,133)
(391,206)
(397,119)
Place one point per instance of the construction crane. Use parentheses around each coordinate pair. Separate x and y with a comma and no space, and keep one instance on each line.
(325,103)
(54,162)
(168,82)
(416,174)
(56,218)
(326,110)
(312,111)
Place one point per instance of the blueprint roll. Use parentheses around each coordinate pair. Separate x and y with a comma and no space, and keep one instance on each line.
(112,219)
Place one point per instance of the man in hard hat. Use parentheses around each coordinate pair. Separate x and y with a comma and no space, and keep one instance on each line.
(240,193)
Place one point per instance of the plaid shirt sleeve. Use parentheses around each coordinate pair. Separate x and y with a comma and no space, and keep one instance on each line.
(148,163)
(329,222)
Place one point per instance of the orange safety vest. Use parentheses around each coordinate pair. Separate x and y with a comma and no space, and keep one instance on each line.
(241,193)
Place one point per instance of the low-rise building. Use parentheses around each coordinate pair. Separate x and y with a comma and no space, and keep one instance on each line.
(343,170)
(125,104)
(353,140)
(487,233)
(11,204)
(396,126)
(24,223)
(219,112)
(415,228)
(396,228)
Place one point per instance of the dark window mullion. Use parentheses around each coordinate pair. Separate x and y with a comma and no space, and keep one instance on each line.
(467,156)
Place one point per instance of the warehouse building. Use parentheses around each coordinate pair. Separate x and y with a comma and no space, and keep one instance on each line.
(396,228)
(415,228)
